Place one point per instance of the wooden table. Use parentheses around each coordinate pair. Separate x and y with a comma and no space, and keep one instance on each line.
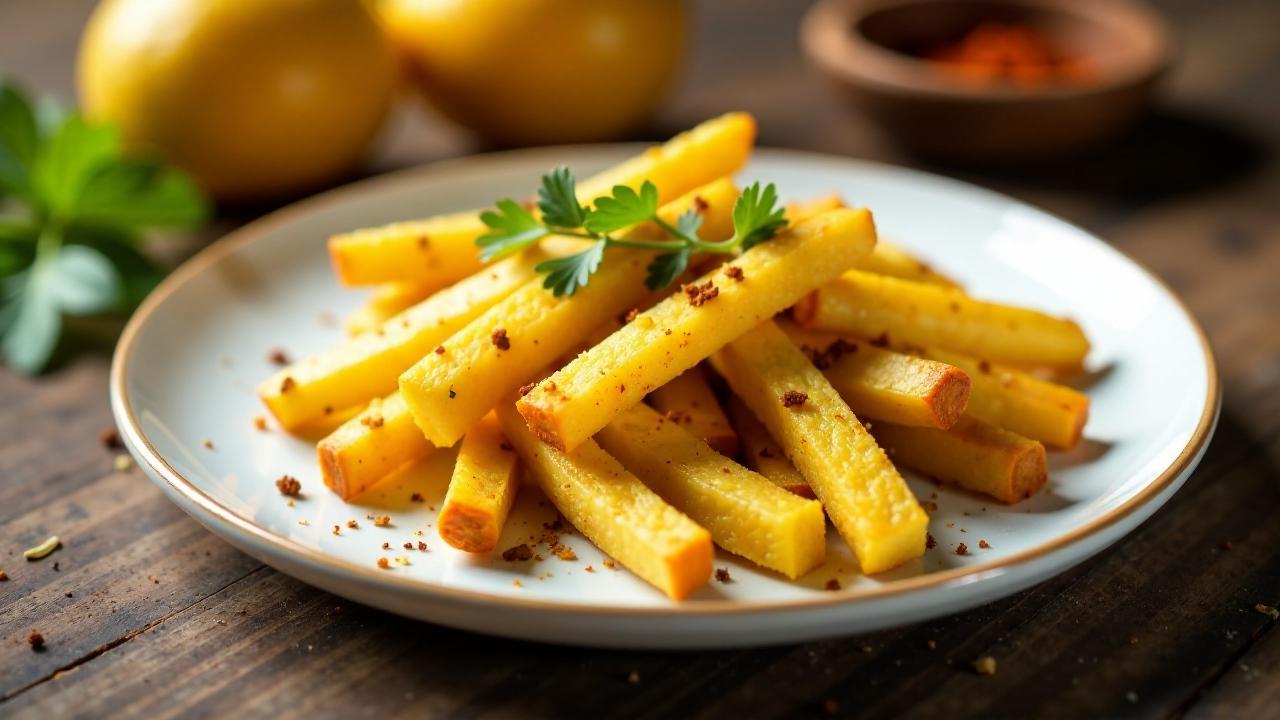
(147,614)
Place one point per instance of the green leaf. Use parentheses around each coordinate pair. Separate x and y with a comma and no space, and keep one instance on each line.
(68,159)
(666,267)
(138,194)
(19,140)
(513,229)
(756,217)
(623,208)
(689,222)
(30,321)
(565,275)
(138,274)
(82,281)
(558,200)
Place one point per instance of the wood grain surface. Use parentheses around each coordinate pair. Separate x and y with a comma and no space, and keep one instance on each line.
(146,614)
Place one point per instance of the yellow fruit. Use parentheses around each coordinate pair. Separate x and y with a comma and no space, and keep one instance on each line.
(540,71)
(252,97)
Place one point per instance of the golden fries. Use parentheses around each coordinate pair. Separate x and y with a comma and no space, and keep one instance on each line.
(885,385)
(517,338)
(860,489)
(682,330)
(481,490)
(616,511)
(763,454)
(689,402)
(972,454)
(369,447)
(442,250)
(885,258)
(902,312)
(386,302)
(1020,402)
(367,366)
(745,513)
(445,349)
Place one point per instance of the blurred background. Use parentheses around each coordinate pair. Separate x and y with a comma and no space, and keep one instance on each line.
(1155,126)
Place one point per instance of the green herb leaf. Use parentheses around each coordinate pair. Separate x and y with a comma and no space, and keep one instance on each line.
(82,281)
(30,321)
(67,159)
(666,267)
(756,217)
(138,274)
(19,140)
(138,194)
(558,200)
(565,275)
(689,222)
(623,208)
(513,229)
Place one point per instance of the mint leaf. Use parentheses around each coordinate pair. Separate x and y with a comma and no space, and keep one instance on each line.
(565,275)
(666,267)
(756,217)
(19,139)
(67,159)
(513,229)
(558,200)
(81,281)
(30,320)
(623,208)
(138,194)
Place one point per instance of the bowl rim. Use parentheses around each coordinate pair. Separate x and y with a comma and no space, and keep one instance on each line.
(828,39)
(237,525)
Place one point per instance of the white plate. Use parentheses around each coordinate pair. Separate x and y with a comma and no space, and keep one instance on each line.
(188,362)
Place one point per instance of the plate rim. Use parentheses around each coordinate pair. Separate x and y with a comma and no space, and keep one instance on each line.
(145,453)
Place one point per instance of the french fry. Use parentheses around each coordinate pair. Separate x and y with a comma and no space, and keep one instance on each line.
(762,453)
(689,402)
(683,329)
(885,258)
(442,250)
(904,312)
(516,339)
(614,510)
(1020,402)
(481,490)
(867,500)
(369,447)
(384,303)
(745,513)
(972,454)
(368,366)
(885,385)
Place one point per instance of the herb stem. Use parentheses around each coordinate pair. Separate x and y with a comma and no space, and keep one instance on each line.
(49,242)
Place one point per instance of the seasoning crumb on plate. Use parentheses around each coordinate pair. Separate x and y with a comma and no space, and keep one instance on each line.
(722,575)
(289,486)
(35,640)
(985,665)
(383,563)
(122,463)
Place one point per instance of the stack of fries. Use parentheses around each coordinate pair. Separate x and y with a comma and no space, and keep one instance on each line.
(839,357)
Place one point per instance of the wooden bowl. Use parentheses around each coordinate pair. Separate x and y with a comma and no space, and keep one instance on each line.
(871,49)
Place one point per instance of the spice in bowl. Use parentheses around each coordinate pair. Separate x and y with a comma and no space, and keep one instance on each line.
(997,53)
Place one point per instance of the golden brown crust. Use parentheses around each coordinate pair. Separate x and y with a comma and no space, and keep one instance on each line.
(949,395)
(468,529)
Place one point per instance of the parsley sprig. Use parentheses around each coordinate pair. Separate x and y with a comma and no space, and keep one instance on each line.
(512,227)
(72,207)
